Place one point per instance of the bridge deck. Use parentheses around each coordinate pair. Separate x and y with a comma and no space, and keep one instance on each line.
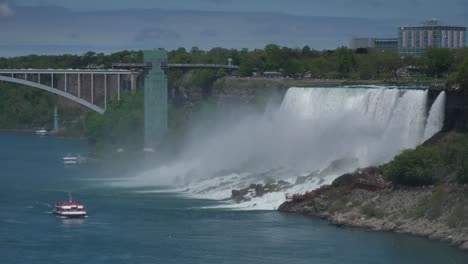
(66,71)
(200,65)
(174,65)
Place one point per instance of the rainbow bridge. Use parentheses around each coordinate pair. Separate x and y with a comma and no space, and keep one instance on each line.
(94,88)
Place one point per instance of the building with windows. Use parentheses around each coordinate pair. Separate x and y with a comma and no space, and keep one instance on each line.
(386,45)
(379,44)
(414,40)
(361,43)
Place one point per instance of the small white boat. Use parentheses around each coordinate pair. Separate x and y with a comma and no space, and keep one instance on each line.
(41,132)
(148,150)
(72,160)
(69,209)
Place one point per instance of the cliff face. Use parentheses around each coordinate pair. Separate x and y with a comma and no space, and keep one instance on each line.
(456,111)
(226,93)
(245,91)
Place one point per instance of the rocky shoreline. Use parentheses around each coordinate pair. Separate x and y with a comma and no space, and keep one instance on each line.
(363,199)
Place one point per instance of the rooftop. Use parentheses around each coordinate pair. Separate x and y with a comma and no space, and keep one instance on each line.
(433,22)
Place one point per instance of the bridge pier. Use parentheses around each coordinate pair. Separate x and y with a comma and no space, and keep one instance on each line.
(56,119)
(79,85)
(155,100)
(118,87)
(105,91)
(133,84)
(92,88)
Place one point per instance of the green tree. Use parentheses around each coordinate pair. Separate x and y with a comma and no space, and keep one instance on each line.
(412,167)
(120,126)
(462,76)
(273,57)
(386,63)
(345,61)
(293,67)
(439,61)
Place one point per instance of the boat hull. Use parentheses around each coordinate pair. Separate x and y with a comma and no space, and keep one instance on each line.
(70,214)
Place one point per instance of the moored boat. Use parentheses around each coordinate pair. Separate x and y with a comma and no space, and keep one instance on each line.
(69,209)
(41,132)
(72,160)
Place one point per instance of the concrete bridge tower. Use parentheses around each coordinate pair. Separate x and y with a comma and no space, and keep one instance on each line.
(155,101)
(56,119)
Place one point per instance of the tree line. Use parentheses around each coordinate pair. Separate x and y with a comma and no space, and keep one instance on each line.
(340,63)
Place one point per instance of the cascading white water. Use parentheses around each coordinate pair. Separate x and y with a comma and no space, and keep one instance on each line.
(435,121)
(313,128)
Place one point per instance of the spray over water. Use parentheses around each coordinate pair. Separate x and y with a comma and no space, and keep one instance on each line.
(316,135)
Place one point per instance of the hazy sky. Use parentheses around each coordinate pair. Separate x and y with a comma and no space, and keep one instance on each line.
(452,10)
(74,26)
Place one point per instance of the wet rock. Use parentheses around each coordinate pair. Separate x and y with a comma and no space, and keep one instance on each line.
(464,246)
(258,190)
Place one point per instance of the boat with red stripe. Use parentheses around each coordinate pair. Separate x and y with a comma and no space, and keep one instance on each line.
(69,209)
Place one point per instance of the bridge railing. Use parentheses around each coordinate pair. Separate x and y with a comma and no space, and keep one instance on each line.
(201,65)
(174,65)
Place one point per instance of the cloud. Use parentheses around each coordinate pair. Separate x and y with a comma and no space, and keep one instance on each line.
(6,9)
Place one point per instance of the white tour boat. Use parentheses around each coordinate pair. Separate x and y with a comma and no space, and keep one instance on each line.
(69,209)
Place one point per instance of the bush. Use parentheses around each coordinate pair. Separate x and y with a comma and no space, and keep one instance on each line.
(338,204)
(372,212)
(442,161)
(412,167)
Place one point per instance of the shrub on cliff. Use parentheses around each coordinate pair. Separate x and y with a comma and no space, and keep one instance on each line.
(412,167)
(462,76)
(445,160)
(372,212)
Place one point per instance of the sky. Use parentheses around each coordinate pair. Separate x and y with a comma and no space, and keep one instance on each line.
(76,26)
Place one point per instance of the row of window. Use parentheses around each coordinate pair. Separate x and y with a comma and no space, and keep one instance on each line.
(432,38)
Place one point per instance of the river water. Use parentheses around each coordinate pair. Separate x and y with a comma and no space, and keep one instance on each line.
(127,225)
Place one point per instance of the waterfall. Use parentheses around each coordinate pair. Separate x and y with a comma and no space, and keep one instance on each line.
(316,133)
(435,121)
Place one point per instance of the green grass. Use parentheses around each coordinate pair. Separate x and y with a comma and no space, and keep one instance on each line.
(432,206)
(372,212)
(338,204)
(458,217)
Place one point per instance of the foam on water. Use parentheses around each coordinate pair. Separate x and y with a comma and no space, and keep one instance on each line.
(328,131)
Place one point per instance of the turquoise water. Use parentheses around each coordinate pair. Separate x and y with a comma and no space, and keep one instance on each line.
(126,226)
